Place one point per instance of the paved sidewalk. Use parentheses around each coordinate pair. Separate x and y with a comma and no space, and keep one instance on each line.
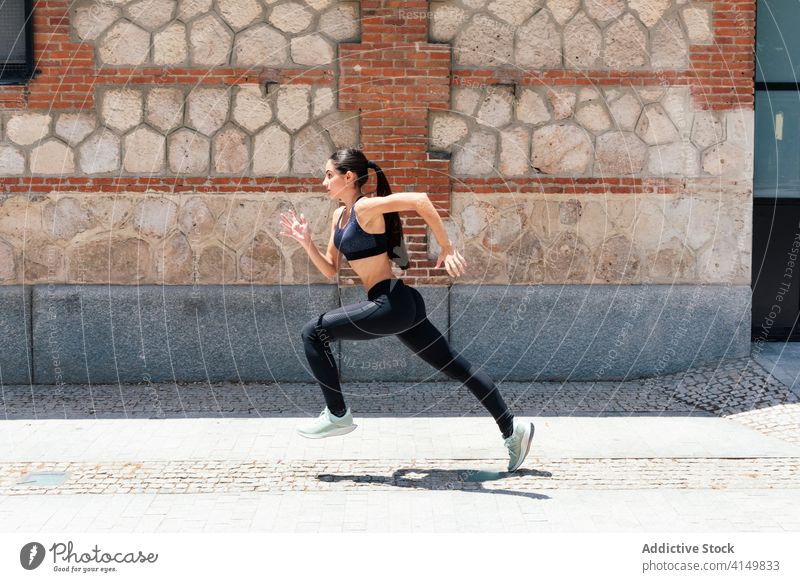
(781,360)
(715,449)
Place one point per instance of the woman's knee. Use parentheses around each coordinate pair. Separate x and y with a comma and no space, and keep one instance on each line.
(311,330)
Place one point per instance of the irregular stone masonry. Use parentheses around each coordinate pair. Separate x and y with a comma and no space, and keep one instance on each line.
(589,131)
(122,37)
(243,33)
(353,474)
(514,238)
(615,98)
(601,34)
(183,131)
(243,131)
(508,238)
(710,38)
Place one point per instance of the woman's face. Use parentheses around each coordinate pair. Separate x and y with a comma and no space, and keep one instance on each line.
(338,185)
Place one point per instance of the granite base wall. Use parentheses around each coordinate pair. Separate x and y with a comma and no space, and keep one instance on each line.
(598,332)
(109,334)
(16,357)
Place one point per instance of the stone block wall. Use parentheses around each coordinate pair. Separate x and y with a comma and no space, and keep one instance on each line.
(560,102)
(591,132)
(156,239)
(148,98)
(699,236)
(607,141)
(183,131)
(228,32)
(564,142)
(553,34)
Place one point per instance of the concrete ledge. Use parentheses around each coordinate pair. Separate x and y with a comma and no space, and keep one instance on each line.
(109,334)
(598,332)
(16,359)
(386,358)
(160,333)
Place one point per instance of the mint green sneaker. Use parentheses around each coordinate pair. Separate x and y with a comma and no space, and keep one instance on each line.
(327,425)
(518,444)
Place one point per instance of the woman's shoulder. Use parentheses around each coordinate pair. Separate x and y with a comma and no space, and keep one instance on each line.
(369,225)
(358,205)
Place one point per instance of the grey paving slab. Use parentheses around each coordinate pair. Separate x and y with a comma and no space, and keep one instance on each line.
(405,511)
(782,360)
(707,449)
(380,438)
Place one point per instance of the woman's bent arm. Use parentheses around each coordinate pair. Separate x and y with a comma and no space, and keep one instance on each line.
(320,261)
(416,201)
(428,212)
(328,263)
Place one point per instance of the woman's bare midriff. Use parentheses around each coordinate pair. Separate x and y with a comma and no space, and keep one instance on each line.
(371,270)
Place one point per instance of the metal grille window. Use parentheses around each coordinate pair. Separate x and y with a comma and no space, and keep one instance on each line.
(16,41)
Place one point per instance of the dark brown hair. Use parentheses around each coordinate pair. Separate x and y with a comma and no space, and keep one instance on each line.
(354,160)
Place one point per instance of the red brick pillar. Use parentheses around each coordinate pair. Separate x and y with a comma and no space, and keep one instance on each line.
(394,76)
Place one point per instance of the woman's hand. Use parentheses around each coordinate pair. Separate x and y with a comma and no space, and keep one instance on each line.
(453,261)
(296,228)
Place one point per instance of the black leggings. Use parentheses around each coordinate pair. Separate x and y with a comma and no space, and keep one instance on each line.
(394,308)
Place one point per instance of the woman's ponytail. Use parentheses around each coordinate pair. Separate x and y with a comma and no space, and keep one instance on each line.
(398,252)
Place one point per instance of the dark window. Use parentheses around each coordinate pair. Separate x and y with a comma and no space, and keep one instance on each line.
(16,41)
(776,172)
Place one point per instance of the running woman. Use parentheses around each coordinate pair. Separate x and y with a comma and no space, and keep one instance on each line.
(368,231)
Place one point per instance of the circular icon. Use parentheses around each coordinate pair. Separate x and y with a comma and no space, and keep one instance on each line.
(31,555)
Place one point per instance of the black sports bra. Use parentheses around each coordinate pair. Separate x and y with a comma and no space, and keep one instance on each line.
(354,242)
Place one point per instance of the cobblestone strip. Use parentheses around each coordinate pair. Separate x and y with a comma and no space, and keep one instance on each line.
(300,399)
(782,421)
(742,391)
(481,474)
(737,386)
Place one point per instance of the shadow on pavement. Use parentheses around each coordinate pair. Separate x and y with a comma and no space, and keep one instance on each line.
(467,480)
